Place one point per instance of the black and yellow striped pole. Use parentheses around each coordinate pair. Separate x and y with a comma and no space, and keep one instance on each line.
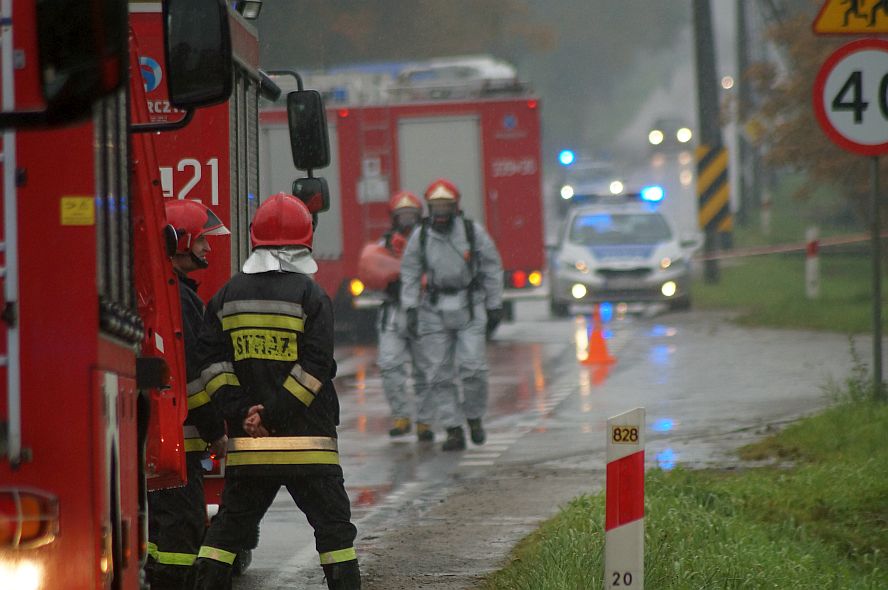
(713,190)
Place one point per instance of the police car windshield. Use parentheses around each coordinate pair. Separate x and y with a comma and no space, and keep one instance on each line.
(610,229)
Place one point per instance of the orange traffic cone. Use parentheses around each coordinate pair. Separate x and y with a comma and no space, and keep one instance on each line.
(597,353)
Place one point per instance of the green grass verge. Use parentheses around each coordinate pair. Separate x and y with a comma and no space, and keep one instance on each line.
(770,291)
(816,517)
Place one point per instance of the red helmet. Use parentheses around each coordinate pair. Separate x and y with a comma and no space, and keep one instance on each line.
(281,220)
(442,189)
(404,200)
(192,220)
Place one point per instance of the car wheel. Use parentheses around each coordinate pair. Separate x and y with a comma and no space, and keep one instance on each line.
(558,309)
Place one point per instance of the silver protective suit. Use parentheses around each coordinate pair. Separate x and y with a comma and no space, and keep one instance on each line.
(452,316)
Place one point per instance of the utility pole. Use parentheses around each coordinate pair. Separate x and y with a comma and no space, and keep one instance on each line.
(746,197)
(710,132)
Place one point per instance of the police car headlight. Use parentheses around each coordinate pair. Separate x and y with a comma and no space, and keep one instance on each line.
(669,288)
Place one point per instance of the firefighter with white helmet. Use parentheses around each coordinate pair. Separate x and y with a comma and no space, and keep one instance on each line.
(177,516)
(452,286)
(397,356)
(266,351)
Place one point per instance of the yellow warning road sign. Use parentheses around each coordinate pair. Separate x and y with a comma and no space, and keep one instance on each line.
(852,17)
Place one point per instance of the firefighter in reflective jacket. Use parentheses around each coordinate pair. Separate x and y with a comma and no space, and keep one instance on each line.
(460,302)
(177,517)
(397,349)
(266,349)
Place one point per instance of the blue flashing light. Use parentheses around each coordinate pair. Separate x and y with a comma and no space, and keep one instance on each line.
(666,459)
(566,157)
(663,425)
(606,311)
(653,194)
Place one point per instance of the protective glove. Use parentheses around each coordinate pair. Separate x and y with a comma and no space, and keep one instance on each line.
(494,317)
(413,322)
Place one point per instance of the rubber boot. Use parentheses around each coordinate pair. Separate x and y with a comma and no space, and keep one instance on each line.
(477,431)
(424,432)
(401,427)
(343,576)
(456,440)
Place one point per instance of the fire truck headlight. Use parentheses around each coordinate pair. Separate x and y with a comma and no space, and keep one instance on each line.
(25,575)
(356,287)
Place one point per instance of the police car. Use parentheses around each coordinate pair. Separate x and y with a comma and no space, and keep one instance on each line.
(619,249)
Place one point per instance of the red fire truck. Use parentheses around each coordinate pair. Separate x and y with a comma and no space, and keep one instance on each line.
(484,137)
(90,339)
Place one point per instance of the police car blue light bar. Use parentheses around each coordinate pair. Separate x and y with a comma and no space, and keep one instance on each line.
(566,157)
(653,194)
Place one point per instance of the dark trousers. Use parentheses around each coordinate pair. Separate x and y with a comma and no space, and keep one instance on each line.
(319,492)
(177,521)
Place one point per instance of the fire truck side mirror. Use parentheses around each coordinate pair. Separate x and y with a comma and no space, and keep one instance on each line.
(307,119)
(197,42)
(314,192)
(69,53)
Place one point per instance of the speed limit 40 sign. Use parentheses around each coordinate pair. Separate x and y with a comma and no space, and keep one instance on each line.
(851,97)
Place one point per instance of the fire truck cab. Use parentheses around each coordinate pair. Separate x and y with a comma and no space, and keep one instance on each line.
(92,381)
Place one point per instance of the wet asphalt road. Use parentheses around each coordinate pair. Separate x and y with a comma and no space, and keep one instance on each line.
(706,384)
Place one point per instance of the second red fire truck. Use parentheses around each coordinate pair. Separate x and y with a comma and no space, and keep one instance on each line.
(482,131)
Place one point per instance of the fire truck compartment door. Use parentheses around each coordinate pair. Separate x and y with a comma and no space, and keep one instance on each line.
(448,147)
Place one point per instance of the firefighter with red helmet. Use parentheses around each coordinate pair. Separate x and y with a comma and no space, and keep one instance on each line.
(452,288)
(397,353)
(177,516)
(266,351)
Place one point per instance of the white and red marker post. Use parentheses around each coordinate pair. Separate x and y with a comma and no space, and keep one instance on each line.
(624,513)
(812,263)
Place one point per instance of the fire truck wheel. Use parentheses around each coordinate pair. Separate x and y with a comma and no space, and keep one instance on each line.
(558,309)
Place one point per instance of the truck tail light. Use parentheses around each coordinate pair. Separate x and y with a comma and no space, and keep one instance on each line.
(28,518)
(519,279)
(535,278)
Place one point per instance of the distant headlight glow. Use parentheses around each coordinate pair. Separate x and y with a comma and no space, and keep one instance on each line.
(684,135)
(655,137)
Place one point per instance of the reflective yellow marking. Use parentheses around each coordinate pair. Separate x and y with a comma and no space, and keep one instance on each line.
(283,443)
(338,556)
(260,320)
(218,381)
(168,558)
(195,444)
(270,345)
(198,399)
(217,554)
(282,458)
(298,391)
